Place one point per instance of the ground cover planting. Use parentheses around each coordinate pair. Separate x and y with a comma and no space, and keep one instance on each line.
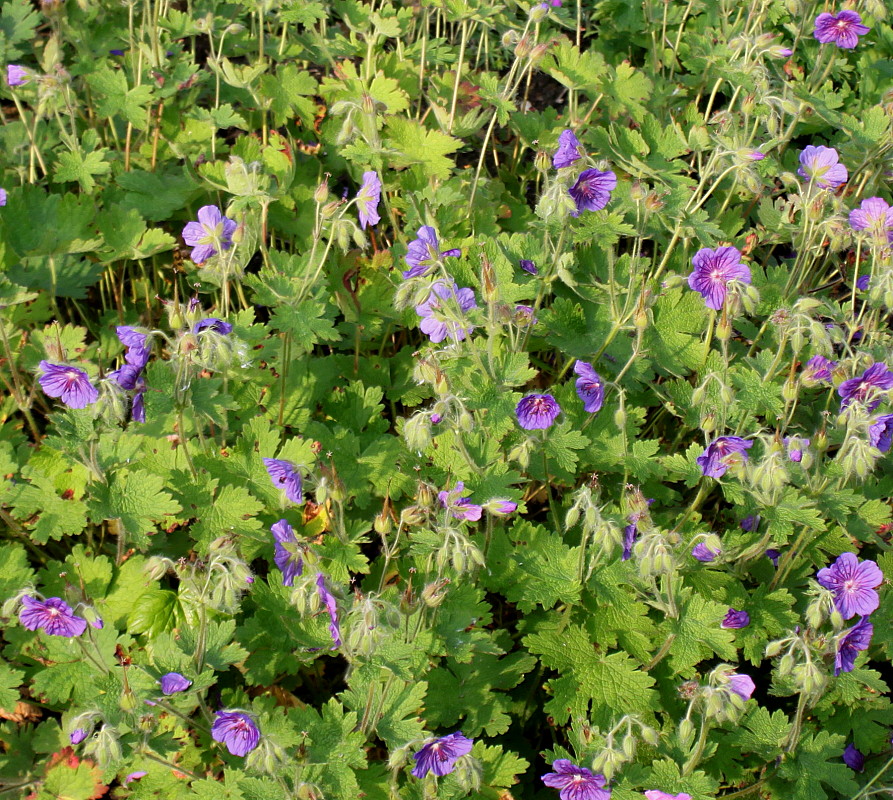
(446,399)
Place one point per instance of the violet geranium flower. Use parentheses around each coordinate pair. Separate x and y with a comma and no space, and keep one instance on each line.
(537,411)
(657,794)
(721,453)
(735,619)
(704,553)
(16,75)
(714,270)
(138,407)
(819,165)
(843,29)
(137,344)
(423,253)
(77,735)
(439,325)
(237,731)
(328,600)
(817,370)
(135,776)
(53,615)
(795,446)
(568,150)
(576,783)
(212,324)
(368,198)
(287,555)
(880,433)
(3,196)
(70,384)
(853,758)
(867,387)
(592,191)
(440,756)
(285,475)
(459,507)
(212,233)
(590,387)
(174,682)
(742,685)
(850,644)
(528,266)
(876,217)
(853,583)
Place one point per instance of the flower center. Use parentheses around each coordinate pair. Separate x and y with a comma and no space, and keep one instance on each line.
(72,376)
(849,586)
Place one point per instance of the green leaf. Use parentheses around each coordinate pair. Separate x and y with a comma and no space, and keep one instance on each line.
(18,21)
(155,612)
(112,97)
(697,635)
(815,763)
(10,680)
(75,165)
(412,143)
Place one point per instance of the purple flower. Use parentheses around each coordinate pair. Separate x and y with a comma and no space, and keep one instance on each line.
(630,534)
(237,731)
(721,453)
(331,607)
(116,52)
(368,198)
(795,446)
(592,191)
(423,253)
(657,794)
(843,29)
(138,407)
(735,619)
(876,217)
(135,776)
(285,475)
(528,266)
(287,555)
(750,523)
(853,758)
(212,324)
(54,615)
(70,384)
(853,583)
(568,151)
(742,685)
(524,315)
(576,783)
(436,418)
(212,233)
(817,370)
(3,196)
(850,644)
(16,75)
(880,433)
(439,325)
(862,282)
(137,344)
(126,376)
(500,507)
(713,270)
(590,388)
(77,735)
(441,755)
(704,553)
(820,166)
(174,682)
(460,507)
(876,379)
(537,411)
(773,555)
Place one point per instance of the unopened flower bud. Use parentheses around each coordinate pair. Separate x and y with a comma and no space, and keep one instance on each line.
(620,418)
(542,161)
(417,433)
(523,48)
(789,390)
(382,524)
(786,665)
(638,191)
(538,13)
(773,649)
(510,39)
(708,422)
(321,195)
(434,593)
(723,329)
(685,731)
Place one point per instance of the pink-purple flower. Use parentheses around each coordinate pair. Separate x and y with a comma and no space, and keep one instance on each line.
(459,507)
(795,446)
(853,758)
(138,408)
(287,555)
(500,507)
(568,150)
(868,387)
(70,384)
(213,324)
(819,164)
(704,553)
(843,29)
(328,600)
(528,266)
(439,312)
(537,411)
(817,370)
(852,642)
(174,682)
(135,776)
(874,216)
(440,756)
(77,735)
(735,619)
(3,196)
(742,685)
(368,198)
(237,731)
(423,253)
(853,583)
(721,453)
(576,783)
(657,794)
(285,475)
(590,387)
(53,615)
(211,234)
(16,75)
(880,432)
(714,270)
(592,191)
